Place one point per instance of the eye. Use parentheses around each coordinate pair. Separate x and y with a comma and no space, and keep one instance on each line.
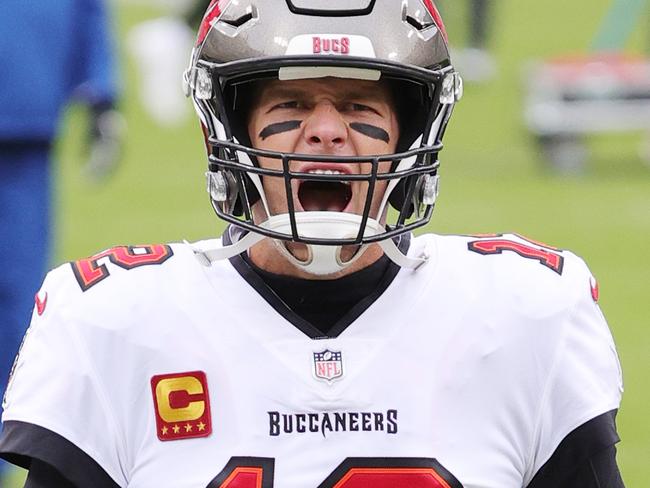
(289,104)
(359,107)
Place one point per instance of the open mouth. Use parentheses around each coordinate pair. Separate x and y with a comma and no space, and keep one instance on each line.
(330,196)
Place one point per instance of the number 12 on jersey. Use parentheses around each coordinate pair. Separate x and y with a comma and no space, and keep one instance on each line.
(251,472)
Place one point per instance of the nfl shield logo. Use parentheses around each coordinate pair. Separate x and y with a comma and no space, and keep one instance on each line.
(328,365)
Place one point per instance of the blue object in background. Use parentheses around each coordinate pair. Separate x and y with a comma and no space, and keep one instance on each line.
(51,52)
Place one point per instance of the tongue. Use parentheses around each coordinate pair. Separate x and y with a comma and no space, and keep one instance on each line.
(324,196)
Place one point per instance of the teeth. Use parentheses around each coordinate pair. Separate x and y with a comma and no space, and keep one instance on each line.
(328,172)
(325,172)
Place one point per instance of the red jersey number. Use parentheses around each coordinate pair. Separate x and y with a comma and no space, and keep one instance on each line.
(351,473)
(545,256)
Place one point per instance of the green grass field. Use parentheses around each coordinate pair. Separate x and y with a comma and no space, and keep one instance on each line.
(493,180)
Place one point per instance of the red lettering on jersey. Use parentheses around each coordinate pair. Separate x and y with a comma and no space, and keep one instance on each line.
(527,239)
(182,405)
(316,44)
(328,370)
(88,272)
(548,258)
(245,472)
(250,477)
(41,303)
(390,473)
(252,472)
(391,477)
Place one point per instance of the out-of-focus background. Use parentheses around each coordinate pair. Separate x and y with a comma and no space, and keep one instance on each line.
(585,187)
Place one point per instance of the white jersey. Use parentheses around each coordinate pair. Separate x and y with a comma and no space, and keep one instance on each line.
(465,373)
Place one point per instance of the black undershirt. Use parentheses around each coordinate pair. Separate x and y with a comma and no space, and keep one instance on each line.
(323,303)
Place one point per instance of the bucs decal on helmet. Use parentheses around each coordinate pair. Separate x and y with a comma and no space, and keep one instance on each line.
(347,45)
(339,45)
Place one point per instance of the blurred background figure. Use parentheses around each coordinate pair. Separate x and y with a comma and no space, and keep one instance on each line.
(51,52)
(603,91)
(160,48)
(474,60)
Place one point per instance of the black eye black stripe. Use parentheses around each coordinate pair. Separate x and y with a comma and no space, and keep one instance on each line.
(279,127)
(371,131)
(289,125)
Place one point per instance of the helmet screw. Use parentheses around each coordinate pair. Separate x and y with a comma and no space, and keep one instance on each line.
(452,88)
(217,186)
(203,84)
(430,188)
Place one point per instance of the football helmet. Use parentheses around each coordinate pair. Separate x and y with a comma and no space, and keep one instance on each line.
(243,42)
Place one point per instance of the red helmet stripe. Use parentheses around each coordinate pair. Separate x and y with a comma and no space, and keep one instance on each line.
(436,17)
(213,12)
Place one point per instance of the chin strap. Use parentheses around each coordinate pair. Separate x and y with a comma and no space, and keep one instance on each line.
(395,255)
(323,260)
(214,252)
(207,256)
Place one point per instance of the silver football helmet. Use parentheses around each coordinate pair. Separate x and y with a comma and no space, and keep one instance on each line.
(241,42)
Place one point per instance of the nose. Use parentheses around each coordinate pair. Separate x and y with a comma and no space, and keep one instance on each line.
(325,128)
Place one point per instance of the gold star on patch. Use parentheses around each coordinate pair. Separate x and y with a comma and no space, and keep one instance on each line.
(201,426)
(188,427)
(176,429)
(165,430)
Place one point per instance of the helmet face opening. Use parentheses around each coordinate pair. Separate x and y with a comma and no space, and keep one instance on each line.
(306,197)
(234,160)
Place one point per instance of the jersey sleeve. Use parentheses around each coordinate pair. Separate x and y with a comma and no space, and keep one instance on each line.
(55,401)
(585,458)
(584,379)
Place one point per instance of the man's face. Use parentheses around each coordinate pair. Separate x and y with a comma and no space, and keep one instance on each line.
(327,116)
